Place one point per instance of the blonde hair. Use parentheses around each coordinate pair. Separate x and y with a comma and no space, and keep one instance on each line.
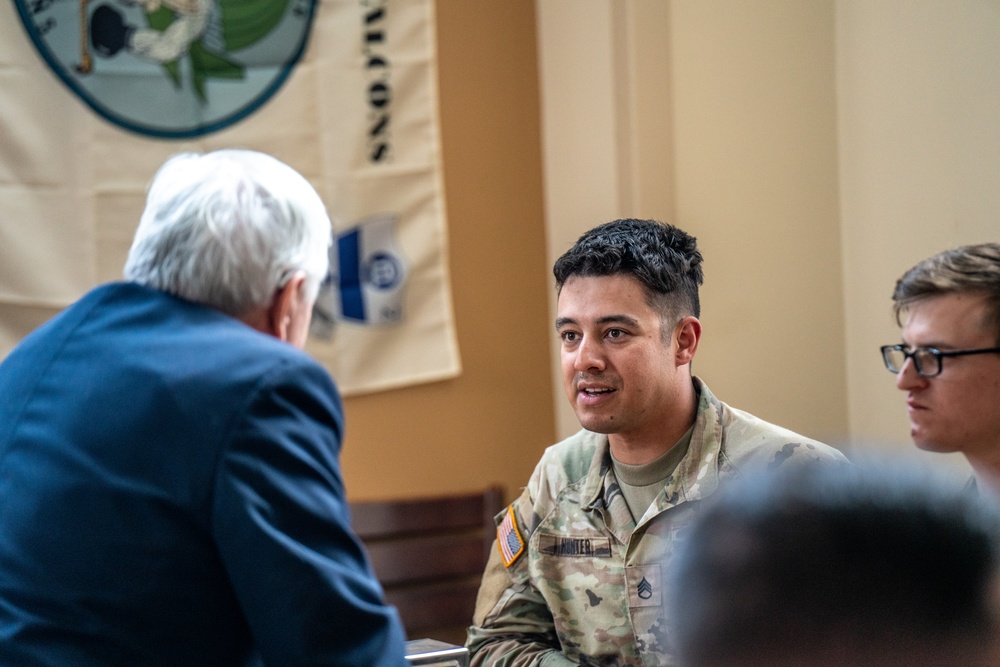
(966,269)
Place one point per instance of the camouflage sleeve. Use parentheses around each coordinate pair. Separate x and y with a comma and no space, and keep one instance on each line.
(512,626)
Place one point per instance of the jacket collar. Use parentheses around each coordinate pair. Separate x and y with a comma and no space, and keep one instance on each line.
(696,476)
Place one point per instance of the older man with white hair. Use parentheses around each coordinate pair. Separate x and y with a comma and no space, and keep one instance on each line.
(170,491)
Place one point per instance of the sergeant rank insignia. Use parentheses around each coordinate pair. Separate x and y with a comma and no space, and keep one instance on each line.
(509,539)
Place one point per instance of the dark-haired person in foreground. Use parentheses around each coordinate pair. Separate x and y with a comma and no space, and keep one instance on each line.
(850,567)
(170,491)
(949,361)
(576,577)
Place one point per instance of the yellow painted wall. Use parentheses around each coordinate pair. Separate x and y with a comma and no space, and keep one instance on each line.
(754,127)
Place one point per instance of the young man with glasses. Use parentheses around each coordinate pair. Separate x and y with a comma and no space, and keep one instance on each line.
(949,361)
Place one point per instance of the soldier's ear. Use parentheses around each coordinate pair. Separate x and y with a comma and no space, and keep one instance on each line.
(687,333)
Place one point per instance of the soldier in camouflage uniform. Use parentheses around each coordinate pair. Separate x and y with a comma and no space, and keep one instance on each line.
(577,575)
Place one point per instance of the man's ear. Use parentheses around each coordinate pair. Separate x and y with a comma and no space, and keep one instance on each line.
(285,306)
(688,334)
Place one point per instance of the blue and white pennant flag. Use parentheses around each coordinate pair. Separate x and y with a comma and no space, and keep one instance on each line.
(366,278)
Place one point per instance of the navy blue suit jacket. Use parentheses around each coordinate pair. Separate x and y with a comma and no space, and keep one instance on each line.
(170,494)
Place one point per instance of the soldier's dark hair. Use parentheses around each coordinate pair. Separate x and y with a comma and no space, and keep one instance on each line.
(665,259)
(966,269)
(838,566)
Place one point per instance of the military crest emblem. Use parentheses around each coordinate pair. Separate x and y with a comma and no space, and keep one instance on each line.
(171,69)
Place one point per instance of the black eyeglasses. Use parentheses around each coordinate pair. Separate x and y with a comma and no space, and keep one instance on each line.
(927,360)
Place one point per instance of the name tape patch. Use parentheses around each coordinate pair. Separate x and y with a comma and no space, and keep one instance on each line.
(586,547)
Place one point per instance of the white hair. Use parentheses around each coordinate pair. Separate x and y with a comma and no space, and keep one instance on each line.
(228,229)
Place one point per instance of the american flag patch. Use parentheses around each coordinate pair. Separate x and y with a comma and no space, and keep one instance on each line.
(509,539)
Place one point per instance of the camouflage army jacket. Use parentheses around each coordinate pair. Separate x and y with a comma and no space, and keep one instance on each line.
(587,588)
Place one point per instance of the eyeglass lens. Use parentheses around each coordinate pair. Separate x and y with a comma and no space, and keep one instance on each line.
(926,362)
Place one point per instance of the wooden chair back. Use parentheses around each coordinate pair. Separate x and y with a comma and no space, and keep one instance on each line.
(429,555)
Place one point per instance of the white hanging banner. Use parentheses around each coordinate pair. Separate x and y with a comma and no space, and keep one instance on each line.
(356,113)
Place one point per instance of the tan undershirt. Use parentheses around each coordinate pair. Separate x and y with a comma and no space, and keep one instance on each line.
(641,484)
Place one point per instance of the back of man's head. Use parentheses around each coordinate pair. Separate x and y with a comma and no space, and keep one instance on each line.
(970,269)
(662,257)
(227,229)
(839,566)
